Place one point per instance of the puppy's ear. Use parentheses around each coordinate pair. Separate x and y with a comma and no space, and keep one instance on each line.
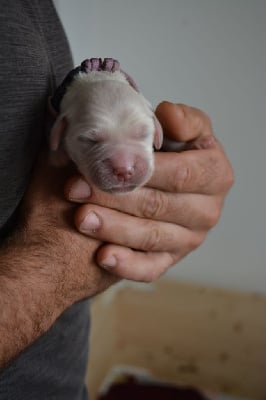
(158,134)
(58,155)
(56,135)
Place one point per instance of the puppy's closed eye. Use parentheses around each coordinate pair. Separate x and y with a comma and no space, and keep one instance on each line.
(89,139)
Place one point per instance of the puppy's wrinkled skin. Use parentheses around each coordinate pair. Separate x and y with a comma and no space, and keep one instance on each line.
(108,129)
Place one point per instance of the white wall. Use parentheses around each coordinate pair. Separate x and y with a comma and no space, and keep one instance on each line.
(210,54)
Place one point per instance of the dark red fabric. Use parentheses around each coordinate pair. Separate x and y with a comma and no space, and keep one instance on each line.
(138,391)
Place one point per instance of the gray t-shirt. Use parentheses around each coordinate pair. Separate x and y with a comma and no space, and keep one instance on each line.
(34,58)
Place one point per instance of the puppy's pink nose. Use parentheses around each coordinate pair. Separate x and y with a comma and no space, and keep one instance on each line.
(122,165)
(123,173)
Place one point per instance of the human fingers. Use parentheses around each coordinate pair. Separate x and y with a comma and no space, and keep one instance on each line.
(202,171)
(135,265)
(205,171)
(46,225)
(112,226)
(194,211)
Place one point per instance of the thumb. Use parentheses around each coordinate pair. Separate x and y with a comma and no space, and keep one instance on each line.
(183,123)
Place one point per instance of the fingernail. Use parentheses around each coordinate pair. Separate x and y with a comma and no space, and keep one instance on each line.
(80,190)
(90,223)
(109,262)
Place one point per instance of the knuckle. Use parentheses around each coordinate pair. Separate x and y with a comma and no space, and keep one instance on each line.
(211,172)
(153,205)
(154,273)
(213,216)
(152,240)
(224,171)
(212,166)
(202,121)
(152,276)
(182,179)
(198,120)
(173,258)
(195,241)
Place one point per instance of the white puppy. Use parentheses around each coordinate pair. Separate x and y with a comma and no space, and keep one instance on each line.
(108,129)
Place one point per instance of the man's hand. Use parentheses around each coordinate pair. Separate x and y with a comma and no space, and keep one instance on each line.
(46,265)
(47,222)
(153,228)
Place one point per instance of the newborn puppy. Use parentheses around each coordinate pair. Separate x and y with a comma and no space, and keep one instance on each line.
(105,126)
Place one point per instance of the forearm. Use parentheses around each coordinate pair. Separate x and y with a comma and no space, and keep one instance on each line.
(29,298)
(43,271)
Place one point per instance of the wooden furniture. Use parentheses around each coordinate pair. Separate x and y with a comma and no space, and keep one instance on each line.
(211,338)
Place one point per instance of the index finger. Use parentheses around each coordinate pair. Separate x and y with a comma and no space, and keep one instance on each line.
(205,171)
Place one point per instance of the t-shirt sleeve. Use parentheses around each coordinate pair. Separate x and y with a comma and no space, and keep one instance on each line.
(34,58)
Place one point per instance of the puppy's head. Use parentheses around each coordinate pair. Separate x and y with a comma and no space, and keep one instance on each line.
(109,133)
